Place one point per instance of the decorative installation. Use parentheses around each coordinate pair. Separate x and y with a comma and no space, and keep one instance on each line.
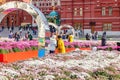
(35,13)
(67,26)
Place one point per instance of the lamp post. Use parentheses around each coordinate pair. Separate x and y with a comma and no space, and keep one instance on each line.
(72,12)
(12,21)
(7,21)
(91,19)
(91,23)
(83,15)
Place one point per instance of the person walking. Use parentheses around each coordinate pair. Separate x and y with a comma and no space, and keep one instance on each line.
(25,36)
(70,38)
(87,36)
(30,37)
(96,35)
(17,36)
(60,45)
(103,39)
(52,45)
(2,28)
(10,35)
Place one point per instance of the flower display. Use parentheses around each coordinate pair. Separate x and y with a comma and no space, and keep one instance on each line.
(10,46)
(77,65)
(89,44)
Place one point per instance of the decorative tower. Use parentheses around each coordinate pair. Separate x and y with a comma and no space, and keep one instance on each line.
(54,17)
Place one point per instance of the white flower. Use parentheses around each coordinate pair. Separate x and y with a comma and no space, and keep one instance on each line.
(3,77)
(49,77)
(11,72)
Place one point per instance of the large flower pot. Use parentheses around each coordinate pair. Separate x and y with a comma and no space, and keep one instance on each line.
(17,56)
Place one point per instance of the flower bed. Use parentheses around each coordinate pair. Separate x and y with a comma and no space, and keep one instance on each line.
(9,46)
(89,44)
(13,51)
(77,65)
(107,48)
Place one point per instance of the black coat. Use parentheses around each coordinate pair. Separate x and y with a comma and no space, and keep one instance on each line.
(103,40)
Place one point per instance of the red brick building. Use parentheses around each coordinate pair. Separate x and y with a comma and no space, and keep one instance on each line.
(89,15)
(15,18)
(20,17)
(97,15)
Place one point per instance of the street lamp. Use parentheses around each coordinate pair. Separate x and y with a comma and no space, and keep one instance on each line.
(12,21)
(83,16)
(91,23)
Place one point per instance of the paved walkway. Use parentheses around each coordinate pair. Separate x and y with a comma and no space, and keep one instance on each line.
(5,33)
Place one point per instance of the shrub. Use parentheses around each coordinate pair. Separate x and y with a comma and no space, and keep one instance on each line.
(76,46)
(3,51)
(16,49)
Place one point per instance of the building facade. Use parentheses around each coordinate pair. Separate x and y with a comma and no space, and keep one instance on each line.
(94,15)
(20,17)
(91,15)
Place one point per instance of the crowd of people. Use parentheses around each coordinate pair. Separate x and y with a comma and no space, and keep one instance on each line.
(18,36)
(78,33)
(23,33)
(56,41)
(94,36)
(90,36)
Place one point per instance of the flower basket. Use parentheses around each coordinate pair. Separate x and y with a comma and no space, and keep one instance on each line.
(17,56)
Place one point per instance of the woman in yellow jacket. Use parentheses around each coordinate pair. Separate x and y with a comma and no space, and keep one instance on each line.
(70,38)
(60,45)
